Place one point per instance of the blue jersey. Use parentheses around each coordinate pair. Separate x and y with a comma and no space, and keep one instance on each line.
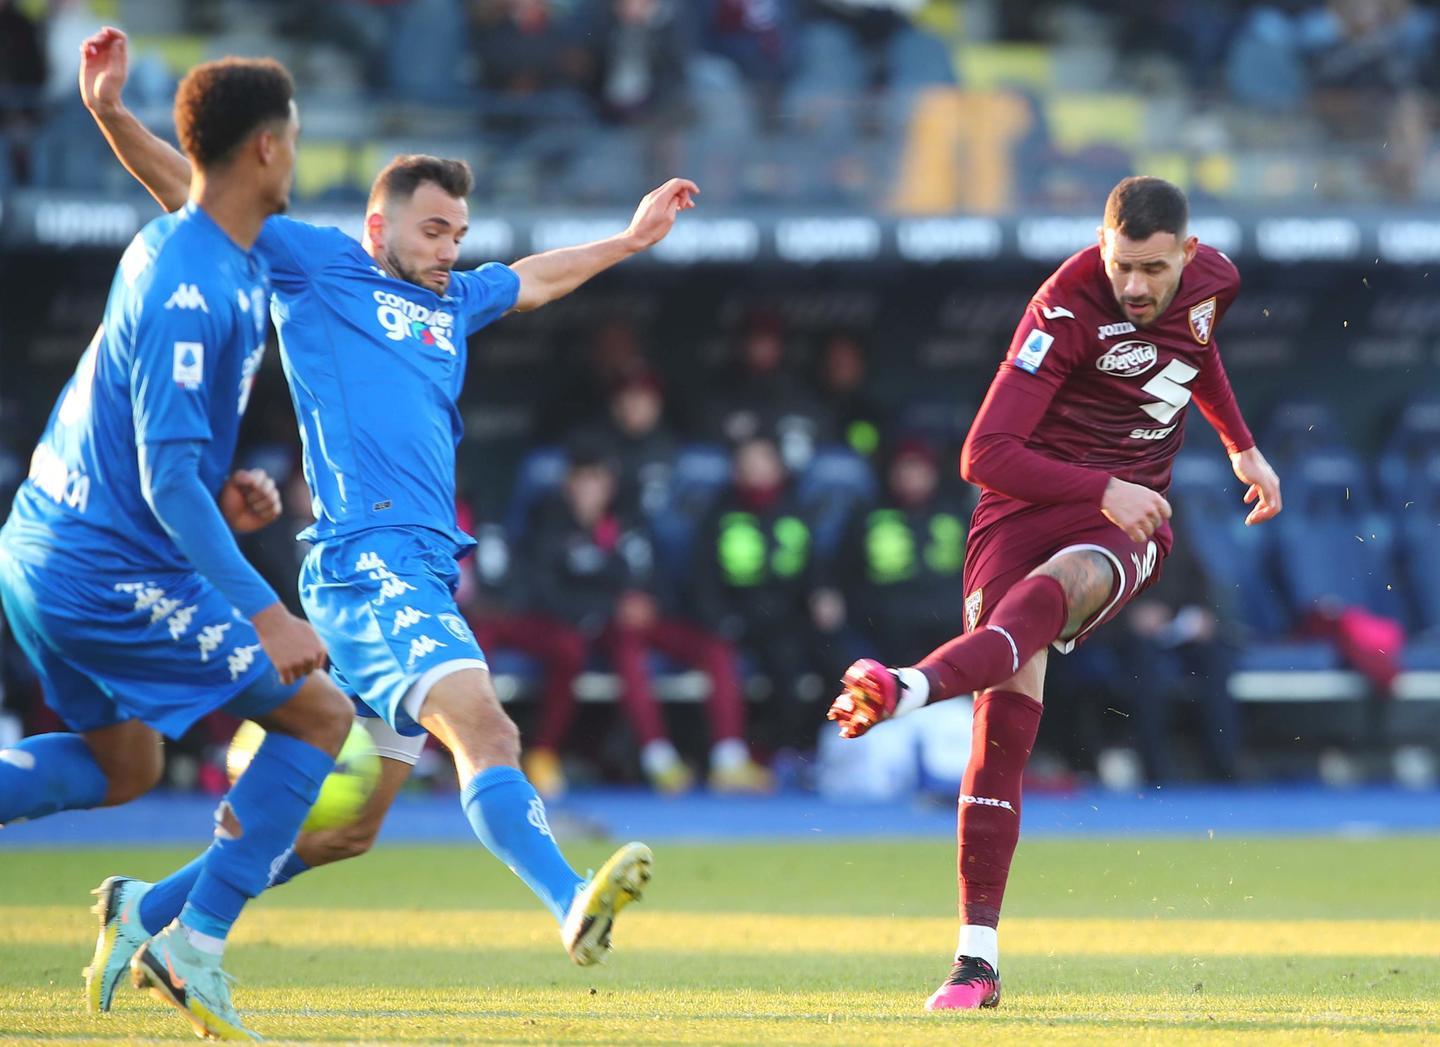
(174,359)
(375,367)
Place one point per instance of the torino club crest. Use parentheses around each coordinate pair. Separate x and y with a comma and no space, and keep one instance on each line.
(1202,320)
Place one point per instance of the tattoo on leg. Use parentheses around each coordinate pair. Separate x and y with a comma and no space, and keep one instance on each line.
(1089,581)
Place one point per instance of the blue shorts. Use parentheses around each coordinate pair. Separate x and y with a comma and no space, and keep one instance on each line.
(383,601)
(166,649)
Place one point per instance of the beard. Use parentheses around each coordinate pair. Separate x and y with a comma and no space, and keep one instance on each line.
(410,276)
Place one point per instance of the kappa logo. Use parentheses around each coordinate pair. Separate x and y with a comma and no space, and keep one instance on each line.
(240,660)
(187,296)
(210,639)
(1112,330)
(422,646)
(369,562)
(456,626)
(392,588)
(973,604)
(1128,359)
(164,609)
(405,618)
(179,623)
(1202,320)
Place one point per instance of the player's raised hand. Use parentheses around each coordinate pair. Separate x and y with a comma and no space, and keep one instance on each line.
(1136,510)
(249,500)
(104,64)
(292,646)
(1251,468)
(657,212)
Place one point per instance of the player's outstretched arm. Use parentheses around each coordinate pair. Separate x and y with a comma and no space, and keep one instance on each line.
(157,165)
(1264,486)
(554,274)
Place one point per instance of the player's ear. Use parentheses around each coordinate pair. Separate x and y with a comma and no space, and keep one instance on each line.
(1191,244)
(266,146)
(375,228)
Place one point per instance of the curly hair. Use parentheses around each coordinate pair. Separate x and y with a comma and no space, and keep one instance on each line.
(220,104)
(399,179)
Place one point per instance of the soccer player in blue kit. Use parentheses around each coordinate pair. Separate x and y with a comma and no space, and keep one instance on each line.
(118,573)
(373,340)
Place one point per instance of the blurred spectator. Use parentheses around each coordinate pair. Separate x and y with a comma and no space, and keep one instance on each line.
(529,55)
(639,53)
(22,79)
(67,24)
(758,38)
(577,396)
(845,389)
(498,604)
(594,569)
(1361,64)
(763,399)
(1173,645)
(753,580)
(898,566)
(640,443)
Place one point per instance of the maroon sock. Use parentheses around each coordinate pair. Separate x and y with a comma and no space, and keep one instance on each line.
(1031,615)
(989,822)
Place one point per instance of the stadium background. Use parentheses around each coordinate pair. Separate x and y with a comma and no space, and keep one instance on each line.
(901,175)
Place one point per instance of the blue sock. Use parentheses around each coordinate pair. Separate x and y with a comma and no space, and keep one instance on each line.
(293,867)
(269,802)
(164,900)
(49,773)
(509,818)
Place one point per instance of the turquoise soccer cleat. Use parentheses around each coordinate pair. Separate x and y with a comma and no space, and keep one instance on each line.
(121,934)
(191,981)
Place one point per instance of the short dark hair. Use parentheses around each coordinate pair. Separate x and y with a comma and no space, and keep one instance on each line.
(1141,206)
(399,179)
(220,104)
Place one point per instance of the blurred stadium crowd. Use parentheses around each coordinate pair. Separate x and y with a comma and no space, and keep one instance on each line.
(700,493)
(817,102)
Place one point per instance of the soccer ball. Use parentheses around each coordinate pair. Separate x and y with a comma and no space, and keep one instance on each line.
(345,789)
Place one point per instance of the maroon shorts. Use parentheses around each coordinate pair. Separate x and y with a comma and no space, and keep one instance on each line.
(1003,549)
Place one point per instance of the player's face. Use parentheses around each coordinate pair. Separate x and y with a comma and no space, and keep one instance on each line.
(422,236)
(1145,274)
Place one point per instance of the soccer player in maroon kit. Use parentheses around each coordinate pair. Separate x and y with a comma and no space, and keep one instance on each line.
(1072,449)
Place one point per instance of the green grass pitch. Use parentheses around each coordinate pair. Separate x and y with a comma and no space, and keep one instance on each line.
(1133,941)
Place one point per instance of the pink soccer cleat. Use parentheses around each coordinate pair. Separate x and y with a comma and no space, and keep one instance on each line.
(973,983)
(868,695)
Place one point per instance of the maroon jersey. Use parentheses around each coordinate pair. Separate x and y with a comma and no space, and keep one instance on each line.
(1084,395)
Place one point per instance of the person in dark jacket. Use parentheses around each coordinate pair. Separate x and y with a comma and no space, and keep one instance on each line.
(753,583)
(594,568)
(899,562)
